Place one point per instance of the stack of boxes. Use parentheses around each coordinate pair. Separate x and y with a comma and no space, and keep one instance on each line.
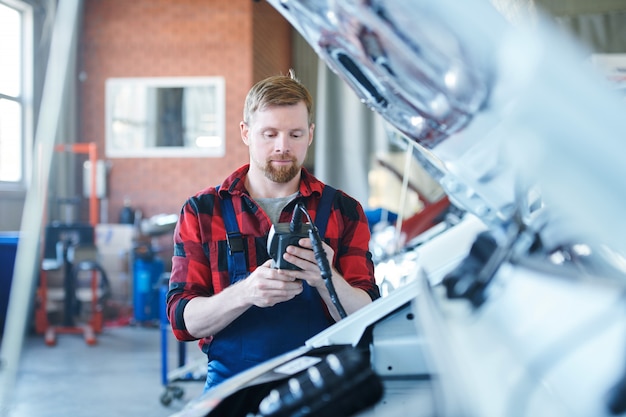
(114,243)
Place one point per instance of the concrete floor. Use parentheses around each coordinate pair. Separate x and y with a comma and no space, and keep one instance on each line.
(121,375)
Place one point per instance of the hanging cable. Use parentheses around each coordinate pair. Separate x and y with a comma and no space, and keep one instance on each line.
(322,261)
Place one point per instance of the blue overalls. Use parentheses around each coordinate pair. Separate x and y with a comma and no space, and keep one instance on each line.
(260,334)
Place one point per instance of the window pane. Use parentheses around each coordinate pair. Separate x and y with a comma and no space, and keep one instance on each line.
(10,44)
(10,141)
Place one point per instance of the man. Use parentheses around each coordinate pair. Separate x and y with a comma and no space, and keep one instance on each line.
(244,311)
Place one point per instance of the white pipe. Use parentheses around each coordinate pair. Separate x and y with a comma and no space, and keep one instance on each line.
(27,259)
(403,193)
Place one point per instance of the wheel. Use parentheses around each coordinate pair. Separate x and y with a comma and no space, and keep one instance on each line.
(177,392)
(166,398)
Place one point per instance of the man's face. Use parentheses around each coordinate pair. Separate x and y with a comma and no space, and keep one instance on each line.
(278,138)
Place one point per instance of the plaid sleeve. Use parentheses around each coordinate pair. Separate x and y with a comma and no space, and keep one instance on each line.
(191,272)
(353,258)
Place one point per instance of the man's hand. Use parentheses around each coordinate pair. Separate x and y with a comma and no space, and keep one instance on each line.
(303,257)
(267,286)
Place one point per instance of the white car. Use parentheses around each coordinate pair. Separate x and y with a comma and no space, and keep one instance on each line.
(516,310)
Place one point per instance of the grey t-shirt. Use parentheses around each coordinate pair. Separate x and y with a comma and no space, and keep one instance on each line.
(274,206)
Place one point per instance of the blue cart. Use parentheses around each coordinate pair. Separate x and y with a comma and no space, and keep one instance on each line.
(185,372)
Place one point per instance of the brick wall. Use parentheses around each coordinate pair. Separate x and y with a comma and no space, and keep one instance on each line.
(165,38)
(268,31)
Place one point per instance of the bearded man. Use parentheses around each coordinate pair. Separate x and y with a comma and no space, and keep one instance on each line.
(223,289)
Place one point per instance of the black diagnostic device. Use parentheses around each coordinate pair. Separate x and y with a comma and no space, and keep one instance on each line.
(284,234)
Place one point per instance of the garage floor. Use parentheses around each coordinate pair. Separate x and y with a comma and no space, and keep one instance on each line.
(121,375)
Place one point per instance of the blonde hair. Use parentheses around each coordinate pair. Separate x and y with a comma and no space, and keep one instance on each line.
(277,90)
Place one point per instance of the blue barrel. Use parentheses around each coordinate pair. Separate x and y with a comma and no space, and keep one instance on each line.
(8,251)
(146,284)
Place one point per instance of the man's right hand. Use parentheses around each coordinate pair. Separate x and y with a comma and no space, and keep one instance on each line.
(264,287)
(267,286)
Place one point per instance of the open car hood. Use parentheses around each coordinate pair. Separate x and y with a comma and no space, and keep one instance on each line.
(524,135)
(516,124)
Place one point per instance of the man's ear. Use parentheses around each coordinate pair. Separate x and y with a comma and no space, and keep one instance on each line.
(245,131)
(311,129)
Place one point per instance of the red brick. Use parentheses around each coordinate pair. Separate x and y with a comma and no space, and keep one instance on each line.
(240,40)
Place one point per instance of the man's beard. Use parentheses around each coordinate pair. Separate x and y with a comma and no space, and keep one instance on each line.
(281,174)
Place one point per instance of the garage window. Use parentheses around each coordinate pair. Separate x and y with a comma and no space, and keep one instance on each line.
(15,91)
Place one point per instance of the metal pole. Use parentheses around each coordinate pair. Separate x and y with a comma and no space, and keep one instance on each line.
(28,261)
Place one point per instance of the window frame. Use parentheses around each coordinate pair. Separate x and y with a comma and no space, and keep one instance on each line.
(140,85)
(25,98)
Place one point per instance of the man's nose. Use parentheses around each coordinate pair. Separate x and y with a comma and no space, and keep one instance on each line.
(281,144)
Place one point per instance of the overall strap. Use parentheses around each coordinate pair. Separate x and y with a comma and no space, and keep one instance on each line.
(324,208)
(236,253)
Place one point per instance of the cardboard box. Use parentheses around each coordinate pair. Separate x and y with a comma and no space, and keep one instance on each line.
(117,268)
(115,243)
(115,238)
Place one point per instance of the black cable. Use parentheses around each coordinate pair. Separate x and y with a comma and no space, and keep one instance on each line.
(322,261)
(296,220)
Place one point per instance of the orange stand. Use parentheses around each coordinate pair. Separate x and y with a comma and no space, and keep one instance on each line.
(95,324)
